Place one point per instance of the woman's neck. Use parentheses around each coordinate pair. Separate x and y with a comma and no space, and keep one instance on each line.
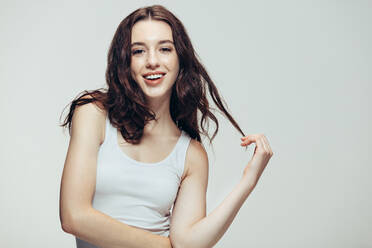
(164,124)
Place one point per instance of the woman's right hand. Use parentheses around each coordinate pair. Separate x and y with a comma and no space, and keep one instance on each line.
(260,158)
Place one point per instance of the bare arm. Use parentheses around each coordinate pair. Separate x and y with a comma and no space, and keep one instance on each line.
(77,189)
(190,227)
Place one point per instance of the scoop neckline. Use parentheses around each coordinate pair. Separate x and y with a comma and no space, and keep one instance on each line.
(123,154)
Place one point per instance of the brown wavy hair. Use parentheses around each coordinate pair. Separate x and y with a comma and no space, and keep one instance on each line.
(124,100)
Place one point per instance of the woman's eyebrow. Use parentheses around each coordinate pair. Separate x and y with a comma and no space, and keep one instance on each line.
(159,43)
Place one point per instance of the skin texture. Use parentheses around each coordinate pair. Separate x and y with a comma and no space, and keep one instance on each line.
(190,226)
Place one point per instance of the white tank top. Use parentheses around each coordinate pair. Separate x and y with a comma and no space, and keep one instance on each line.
(137,193)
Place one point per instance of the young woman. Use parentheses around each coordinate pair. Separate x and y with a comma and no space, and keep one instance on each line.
(136,173)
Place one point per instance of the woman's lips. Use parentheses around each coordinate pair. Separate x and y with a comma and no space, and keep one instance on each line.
(154,82)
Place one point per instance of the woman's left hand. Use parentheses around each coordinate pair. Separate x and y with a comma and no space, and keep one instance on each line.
(260,158)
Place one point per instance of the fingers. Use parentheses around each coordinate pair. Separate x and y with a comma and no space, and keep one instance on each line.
(261,142)
(245,140)
(249,139)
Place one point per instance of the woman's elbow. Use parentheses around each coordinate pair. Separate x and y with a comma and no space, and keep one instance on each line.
(66,227)
(68,221)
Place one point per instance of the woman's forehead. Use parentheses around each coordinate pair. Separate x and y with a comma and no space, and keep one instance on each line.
(151,31)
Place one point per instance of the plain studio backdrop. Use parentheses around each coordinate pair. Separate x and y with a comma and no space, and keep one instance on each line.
(299,72)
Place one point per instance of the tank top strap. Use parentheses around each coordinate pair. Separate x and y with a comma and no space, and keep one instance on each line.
(181,152)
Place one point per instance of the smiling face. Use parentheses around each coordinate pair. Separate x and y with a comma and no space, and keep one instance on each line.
(153,53)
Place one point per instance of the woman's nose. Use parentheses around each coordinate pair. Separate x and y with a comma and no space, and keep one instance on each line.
(152,60)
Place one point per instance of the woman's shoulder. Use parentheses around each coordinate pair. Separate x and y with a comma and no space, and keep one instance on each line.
(196,149)
(90,117)
(196,158)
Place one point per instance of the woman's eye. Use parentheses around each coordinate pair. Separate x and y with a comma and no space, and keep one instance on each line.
(136,51)
(165,49)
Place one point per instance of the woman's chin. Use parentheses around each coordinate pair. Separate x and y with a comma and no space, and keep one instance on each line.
(161,90)
(157,93)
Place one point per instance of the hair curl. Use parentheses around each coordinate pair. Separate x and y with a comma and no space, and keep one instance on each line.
(124,100)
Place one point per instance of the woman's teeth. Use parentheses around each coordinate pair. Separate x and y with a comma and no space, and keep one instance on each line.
(155,76)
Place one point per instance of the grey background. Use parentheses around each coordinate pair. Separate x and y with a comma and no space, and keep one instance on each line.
(297,71)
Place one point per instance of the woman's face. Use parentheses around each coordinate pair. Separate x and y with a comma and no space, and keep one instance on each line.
(153,53)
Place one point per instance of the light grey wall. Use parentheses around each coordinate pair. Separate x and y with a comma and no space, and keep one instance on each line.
(297,71)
